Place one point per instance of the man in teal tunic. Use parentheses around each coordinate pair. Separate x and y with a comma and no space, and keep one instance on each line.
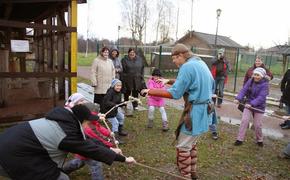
(195,83)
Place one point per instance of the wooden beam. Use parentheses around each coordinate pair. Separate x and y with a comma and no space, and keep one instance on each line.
(37,74)
(18,24)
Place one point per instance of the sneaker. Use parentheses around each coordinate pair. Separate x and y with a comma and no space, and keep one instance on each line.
(214,136)
(287,126)
(165,126)
(238,143)
(136,108)
(261,144)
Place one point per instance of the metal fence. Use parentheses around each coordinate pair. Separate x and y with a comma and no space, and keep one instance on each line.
(239,59)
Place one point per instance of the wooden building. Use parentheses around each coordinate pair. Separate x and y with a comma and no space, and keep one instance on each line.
(203,43)
(38,51)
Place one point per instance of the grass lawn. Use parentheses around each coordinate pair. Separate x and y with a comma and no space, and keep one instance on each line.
(216,159)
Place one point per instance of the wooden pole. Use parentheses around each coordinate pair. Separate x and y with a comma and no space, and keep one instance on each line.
(74,40)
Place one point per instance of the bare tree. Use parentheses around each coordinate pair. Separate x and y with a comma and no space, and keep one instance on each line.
(136,13)
(164,20)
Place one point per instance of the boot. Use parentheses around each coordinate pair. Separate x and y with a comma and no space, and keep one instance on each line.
(121,132)
(193,154)
(165,126)
(184,163)
(150,123)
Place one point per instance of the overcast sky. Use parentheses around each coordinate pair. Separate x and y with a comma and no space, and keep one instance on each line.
(258,23)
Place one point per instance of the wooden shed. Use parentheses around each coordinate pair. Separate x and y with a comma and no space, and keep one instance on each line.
(38,51)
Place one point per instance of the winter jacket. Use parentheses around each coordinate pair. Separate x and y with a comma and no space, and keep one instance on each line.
(223,72)
(250,71)
(154,100)
(103,72)
(37,149)
(133,74)
(285,88)
(117,63)
(111,99)
(256,93)
(96,131)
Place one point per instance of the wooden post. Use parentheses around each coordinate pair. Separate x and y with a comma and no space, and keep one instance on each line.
(4,67)
(74,41)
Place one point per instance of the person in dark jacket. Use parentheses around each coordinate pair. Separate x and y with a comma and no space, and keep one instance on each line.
(111,99)
(258,63)
(255,90)
(132,76)
(219,70)
(285,89)
(114,56)
(37,149)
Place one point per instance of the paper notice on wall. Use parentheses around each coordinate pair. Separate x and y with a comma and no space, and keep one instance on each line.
(19,45)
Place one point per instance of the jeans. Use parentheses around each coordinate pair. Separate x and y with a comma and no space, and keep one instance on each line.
(219,89)
(116,121)
(96,167)
(288,109)
(213,126)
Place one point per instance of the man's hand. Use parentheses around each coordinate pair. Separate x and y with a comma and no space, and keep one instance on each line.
(102,116)
(116,150)
(130,160)
(144,92)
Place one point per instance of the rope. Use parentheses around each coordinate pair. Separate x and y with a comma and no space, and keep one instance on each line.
(259,110)
(132,99)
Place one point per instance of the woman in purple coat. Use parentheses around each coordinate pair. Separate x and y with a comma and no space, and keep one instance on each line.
(255,90)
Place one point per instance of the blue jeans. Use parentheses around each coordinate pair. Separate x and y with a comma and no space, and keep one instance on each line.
(219,89)
(288,109)
(116,121)
(213,126)
(96,167)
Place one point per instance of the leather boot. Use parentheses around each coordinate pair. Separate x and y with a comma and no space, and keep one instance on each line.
(193,155)
(184,162)
(121,132)
(117,137)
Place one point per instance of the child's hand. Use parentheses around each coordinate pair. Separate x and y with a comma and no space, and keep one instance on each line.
(112,134)
(163,81)
(248,106)
(236,101)
(130,160)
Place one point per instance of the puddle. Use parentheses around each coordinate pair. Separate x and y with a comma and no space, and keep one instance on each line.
(266,131)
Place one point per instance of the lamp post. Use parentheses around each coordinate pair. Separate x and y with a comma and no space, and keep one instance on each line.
(119,27)
(218,13)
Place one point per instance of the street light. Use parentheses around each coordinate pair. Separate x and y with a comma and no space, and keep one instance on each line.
(218,13)
(119,27)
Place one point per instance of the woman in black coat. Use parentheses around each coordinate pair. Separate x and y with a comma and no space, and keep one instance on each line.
(285,89)
(132,76)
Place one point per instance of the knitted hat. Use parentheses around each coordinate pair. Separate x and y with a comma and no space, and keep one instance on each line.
(179,48)
(260,71)
(83,113)
(114,82)
(156,72)
(73,99)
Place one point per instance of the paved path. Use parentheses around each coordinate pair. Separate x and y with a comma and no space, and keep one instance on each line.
(228,113)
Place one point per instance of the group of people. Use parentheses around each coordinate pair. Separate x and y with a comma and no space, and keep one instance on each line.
(37,149)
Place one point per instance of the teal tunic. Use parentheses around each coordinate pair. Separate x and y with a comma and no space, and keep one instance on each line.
(195,78)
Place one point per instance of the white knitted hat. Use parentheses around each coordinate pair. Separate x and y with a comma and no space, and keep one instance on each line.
(74,99)
(260,71)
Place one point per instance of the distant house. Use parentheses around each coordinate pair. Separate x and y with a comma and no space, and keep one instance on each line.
(203,43)
(284,50)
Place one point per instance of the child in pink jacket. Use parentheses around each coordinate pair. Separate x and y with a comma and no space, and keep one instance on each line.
(156,102)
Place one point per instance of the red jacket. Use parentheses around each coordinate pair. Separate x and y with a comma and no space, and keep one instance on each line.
(225,69)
